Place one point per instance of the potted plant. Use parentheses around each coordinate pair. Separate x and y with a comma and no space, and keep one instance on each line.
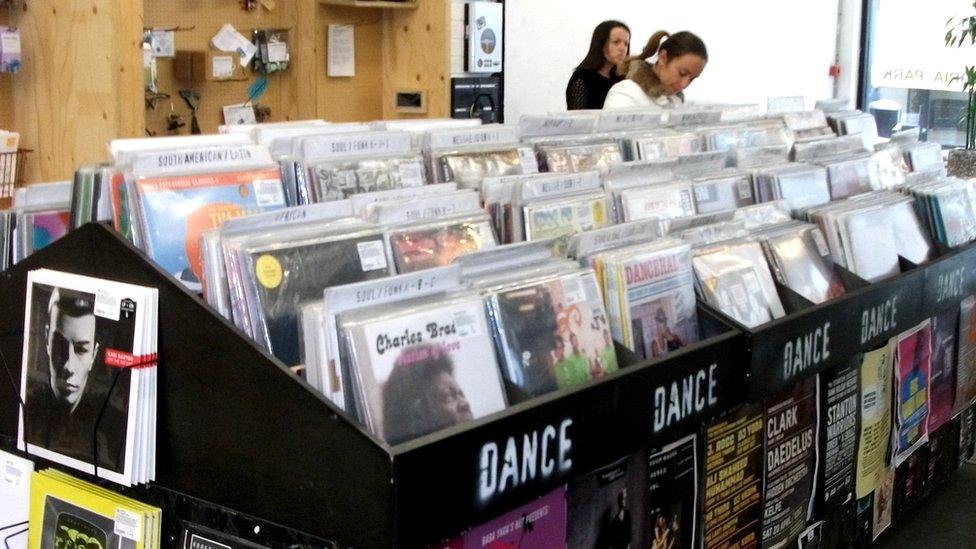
(962,30)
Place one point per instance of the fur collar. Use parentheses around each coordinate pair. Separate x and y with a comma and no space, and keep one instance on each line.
(643,74)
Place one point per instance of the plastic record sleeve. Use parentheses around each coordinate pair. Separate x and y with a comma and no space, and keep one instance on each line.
(422,365)
(336,180)
(735,278)
(435,244)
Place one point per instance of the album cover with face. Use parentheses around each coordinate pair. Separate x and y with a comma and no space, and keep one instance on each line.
(283,277)
(79,334)
(423,366)
(655,289)
(432,245)
(553,333)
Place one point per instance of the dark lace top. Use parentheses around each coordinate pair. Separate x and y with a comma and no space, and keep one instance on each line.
(587,89)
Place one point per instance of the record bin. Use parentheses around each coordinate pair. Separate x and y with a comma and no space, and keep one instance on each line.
(238,430)
(812,338)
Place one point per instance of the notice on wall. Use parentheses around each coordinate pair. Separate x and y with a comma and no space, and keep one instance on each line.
(733,477)
(875,432)
(341,50)
(790,462)
(839,396)
(673,481)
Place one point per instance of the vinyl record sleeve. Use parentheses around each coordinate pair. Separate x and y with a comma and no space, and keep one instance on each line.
(565,216)
(552,333)
(38,227)
(581,158)
(665,201)
(76,329)
(282,277)
(424,246)
(423,366)
(174,210)
(723,194)
(470,167)
(338,179)
(869,243)
(736,280)
(67,510)
(801,261)
(655,291)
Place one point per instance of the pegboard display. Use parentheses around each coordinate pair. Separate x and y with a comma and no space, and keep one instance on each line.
(195,23)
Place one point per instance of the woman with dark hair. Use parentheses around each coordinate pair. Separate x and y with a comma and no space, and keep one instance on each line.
(681,58)
(593,77)
(421,395)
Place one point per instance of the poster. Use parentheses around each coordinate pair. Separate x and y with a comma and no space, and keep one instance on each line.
(913,358)
(733,469)
(673,493)
(942,377)
(790,462)
(839,396)
(607,507)
(875,432)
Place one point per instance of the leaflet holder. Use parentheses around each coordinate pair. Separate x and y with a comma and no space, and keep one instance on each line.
(237,430)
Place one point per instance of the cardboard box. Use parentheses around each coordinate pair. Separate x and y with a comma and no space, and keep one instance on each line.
(208,66)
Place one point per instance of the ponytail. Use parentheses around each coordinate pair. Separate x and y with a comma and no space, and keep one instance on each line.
(650,49)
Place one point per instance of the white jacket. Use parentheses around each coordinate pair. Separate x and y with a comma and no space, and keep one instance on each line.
(628,93)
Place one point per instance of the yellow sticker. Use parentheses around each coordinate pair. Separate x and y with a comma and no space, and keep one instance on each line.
(598,215)
(268,271)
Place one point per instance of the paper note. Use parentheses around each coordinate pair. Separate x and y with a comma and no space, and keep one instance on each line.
(163,43)
(342,51)
(229,40)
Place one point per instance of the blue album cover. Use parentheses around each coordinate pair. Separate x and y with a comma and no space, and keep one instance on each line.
(175,210)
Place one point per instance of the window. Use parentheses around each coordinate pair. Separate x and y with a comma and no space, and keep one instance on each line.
(909,73)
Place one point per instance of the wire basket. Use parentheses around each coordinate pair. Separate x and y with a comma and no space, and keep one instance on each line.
(11,173)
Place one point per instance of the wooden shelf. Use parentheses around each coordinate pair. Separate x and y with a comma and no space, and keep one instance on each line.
(385,4)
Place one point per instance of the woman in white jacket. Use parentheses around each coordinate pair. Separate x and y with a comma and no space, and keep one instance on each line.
(681,58)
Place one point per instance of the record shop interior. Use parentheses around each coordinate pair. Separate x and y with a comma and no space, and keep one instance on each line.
(487,273)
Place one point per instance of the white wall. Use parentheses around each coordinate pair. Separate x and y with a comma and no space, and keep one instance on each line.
(757,48)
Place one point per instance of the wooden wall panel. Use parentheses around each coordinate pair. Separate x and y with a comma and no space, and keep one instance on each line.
(416,48)
(77,88)
(357,98)
(205,17)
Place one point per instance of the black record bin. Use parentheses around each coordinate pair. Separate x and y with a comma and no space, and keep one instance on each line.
(246,444)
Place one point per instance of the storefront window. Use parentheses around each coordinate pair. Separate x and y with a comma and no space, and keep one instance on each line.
(910,76)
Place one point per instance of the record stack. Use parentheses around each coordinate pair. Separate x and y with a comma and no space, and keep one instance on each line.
(69,512)
(39,216)
(88,379)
